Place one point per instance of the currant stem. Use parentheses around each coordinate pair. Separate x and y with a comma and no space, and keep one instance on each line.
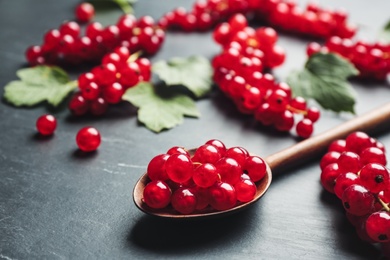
(133,57)
(296,111)
(384,205)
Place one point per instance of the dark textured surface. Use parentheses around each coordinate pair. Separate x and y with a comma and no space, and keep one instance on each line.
(58,204)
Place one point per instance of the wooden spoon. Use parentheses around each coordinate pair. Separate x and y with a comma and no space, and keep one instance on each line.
(287,158)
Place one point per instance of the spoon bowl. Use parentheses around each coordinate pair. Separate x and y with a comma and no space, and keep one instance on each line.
(377,119)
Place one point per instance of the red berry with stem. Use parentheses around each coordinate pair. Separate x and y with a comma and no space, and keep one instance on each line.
(375,177)
(84,12)
(378,226)
(88,139)
(179,168)
(157,194)
(46,124)
(205,175)
(245,190)
(229,170)
(222,196)
(156,167)
(358,200)
(184,201)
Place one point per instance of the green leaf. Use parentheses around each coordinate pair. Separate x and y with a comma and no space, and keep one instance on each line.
(194,73)
(160,111)
(38,84)
(324,79)
(108,11)
(384,35)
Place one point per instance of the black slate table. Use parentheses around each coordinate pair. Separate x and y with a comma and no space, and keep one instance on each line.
(57,204)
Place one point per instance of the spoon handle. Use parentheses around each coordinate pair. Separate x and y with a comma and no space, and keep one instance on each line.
(317,145)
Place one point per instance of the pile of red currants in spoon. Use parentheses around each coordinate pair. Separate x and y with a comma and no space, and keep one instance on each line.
(355,170)
(210,178)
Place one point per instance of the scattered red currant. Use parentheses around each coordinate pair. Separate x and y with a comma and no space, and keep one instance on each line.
(46,124)
(88,139)
(84,12)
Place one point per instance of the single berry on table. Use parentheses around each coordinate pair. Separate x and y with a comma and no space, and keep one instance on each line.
(46,124)
(88,139)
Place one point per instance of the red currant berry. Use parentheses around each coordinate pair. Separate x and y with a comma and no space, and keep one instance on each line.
(157,194)
(84,12)
(229,170)
(337,146)
(328,158)
(245,190)
(205,175)
(358,200)
(98,106)
(113,93)
(78,105)
(184,201)
(378,226)
(219,145)
(373,155)
(313,114)
(237,153)
(206,153)
(357,142)
(179,168)
(349,162)
(374,177)
(305,128)
(178,150)
(255,167)
(156,167)
(222,196)
(329,175)
(88,139)
(46,124)
(343,181)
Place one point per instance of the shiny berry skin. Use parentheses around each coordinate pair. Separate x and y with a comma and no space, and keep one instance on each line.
(349,162)
(156,167)
(206,153)
(329,175)
(373,155)
(179,168)
(46,124)
(255,167)
(113,93)
(88,139)
(205,175)
(343,181)
(305,128)
(157,194)
(357,142)
(245,190)
(179,150)
(337,146)
(219,145)
(184,201)
(375,177)
(229,169)
(328,158)
(98,106)
(236,153)
(378,226)
(78,105)
(358,200)
(84,12)
(222,196)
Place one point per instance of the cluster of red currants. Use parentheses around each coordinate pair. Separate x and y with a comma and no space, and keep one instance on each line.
(66,45)
(238,72)
(106,83)
(284,14)
(211,178)
(372,60)
(354,169)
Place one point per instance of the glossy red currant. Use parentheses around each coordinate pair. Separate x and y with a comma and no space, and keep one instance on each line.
(46,124)
(88,139)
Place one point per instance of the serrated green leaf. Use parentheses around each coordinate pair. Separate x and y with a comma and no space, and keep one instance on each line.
(158,111)
(324,79)
(38,84)
(194,73)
